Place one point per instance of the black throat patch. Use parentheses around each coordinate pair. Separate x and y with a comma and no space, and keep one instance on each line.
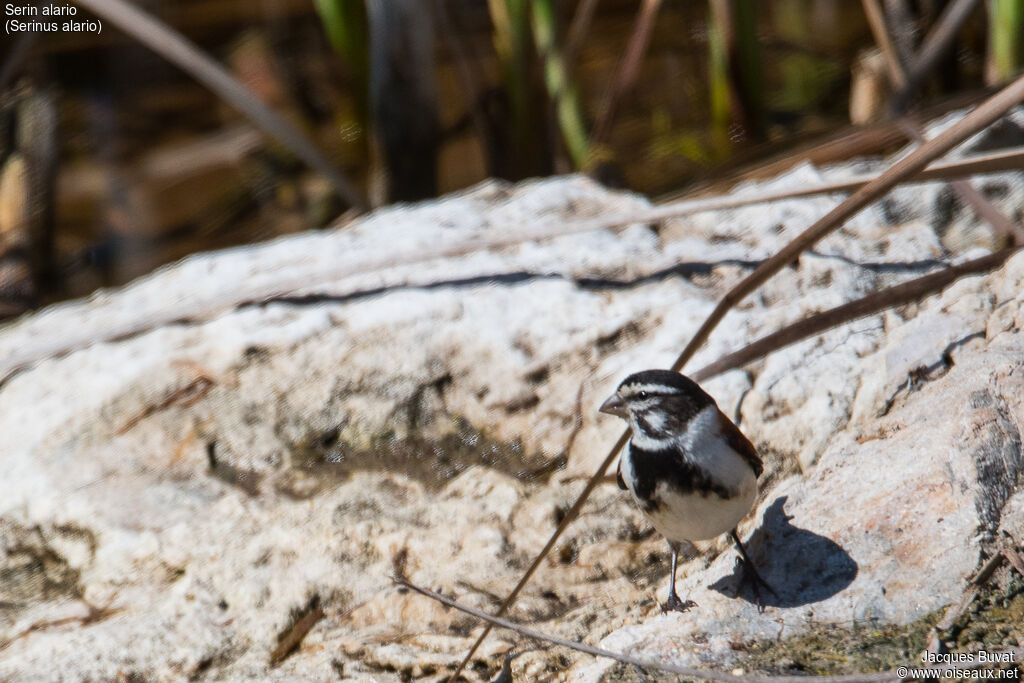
(651,468)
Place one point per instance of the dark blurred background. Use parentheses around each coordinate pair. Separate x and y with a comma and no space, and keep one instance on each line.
(115,161)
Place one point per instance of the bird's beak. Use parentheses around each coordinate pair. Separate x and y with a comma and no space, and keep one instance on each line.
(614,406)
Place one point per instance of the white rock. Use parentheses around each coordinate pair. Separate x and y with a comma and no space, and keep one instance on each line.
(205,480)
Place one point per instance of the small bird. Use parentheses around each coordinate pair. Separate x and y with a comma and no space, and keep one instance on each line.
(688,467)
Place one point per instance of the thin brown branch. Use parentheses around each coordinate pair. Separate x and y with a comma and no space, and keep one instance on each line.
(984,115)
(1016,559)
(1005,229)
(899,17)
(578,29)
(177,49)
(199,385)
(876,20)
(182,397)
(577,426)
(93,615)
(955,611)
(914,290)
(628,68)
(1004,160)
(292,638)
(934,46)
(643,663)
(1011,549)
(1003,226)
(467,70)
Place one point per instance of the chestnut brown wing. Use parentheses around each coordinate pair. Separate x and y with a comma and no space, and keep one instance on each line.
(739,443)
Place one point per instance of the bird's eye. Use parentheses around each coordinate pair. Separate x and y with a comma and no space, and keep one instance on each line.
(642,395)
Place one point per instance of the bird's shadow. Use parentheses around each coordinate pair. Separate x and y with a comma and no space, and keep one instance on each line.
(801,566)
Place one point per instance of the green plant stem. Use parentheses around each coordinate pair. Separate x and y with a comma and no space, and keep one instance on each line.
(345,23)
(1005,26)
(511,20)
(736,93)
(559,83)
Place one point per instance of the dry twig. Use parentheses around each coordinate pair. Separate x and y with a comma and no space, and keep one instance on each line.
(933,47)
(1003,226)
(182,397)
(1006,229)
(93,615)
(1011,549)
(704,674)
(292,638)
(628,68)
(876,20)
(817,323)
(578,28)
(978,119)
(970,592)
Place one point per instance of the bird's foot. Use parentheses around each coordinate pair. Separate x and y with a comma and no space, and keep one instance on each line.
(750,574)
(674,604)
(756,583)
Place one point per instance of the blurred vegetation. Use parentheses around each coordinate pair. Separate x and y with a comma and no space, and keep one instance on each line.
(141,165)
(344,23)
(560,87)
(736,92)
(1006,47)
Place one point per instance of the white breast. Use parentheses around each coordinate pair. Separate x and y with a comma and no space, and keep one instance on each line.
(693,517)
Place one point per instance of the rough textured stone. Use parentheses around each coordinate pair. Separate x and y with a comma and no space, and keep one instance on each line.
(172,502)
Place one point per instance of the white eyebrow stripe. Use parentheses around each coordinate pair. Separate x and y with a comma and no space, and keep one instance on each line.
(635,389)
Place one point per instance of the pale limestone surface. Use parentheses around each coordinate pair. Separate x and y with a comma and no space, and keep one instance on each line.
(163,475)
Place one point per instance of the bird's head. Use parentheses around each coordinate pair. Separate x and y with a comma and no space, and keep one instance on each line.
(660,403)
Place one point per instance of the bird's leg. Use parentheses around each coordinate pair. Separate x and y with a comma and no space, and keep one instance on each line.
(750,571)
(674,604)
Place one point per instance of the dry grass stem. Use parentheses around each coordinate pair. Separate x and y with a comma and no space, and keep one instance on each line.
(876,20)
(703,674)
(628,68)
(293,638)
(935,44)
(906,292)
(1005,229)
